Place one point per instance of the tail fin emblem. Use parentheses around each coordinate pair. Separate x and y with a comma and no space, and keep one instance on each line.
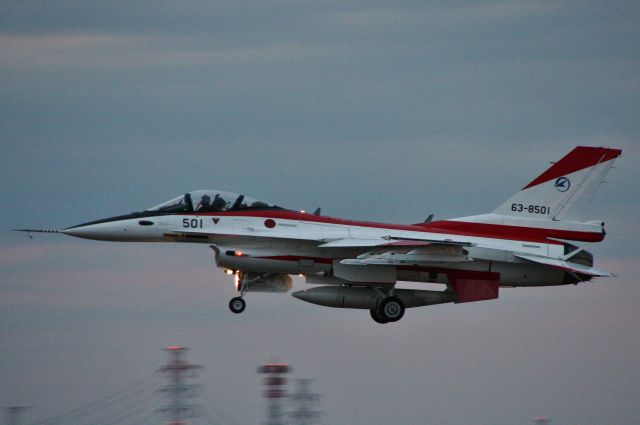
(562,184)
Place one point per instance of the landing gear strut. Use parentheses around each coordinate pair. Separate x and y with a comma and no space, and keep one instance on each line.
(238,304)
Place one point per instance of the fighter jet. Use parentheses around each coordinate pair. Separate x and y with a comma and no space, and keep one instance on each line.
(526,241)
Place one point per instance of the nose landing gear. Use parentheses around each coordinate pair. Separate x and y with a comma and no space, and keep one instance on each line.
(237,305)
(257,282)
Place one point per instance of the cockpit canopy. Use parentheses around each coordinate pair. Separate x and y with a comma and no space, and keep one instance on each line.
(211,201)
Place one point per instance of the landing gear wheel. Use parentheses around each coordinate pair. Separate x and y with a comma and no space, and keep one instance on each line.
(391,309)
(237,305)
(376,317)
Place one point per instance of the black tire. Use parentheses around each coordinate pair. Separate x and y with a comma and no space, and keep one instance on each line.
(376,317)
(237,305)
(391,309)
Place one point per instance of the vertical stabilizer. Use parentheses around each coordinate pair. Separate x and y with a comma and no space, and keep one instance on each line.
(563,192)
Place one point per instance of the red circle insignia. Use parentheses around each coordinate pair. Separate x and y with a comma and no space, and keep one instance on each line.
(270,223)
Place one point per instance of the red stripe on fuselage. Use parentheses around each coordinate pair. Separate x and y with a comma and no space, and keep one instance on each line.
(481,230)
(520,233)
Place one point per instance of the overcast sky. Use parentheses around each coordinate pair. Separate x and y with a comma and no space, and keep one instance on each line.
(372,110)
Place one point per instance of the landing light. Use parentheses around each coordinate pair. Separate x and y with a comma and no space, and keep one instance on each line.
(175,347)
(228,271)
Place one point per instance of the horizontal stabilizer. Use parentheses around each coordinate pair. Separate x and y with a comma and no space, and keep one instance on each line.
(565,265)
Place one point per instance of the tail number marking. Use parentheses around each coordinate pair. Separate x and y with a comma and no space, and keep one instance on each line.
(531,209)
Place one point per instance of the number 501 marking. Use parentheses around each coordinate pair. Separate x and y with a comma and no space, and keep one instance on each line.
(192,223)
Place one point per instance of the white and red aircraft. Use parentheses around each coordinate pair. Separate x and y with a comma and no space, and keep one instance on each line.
(522,243)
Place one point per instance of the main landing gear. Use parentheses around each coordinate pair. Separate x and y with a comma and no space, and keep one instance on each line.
(390,309)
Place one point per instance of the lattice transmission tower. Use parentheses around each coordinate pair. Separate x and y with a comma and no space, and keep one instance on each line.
(305,405)
(179,391)
(275,391)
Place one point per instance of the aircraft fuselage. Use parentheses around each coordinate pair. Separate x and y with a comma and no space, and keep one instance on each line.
(287,242)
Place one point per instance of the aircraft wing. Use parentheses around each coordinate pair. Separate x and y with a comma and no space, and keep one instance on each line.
(565,265)
(390,241)
(406,252)
(386,241)
(379,265)
(354,243)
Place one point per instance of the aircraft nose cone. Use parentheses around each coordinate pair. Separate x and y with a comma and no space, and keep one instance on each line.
(90,231)
(118,228)
(71,231)
(126,228)
(102,230)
